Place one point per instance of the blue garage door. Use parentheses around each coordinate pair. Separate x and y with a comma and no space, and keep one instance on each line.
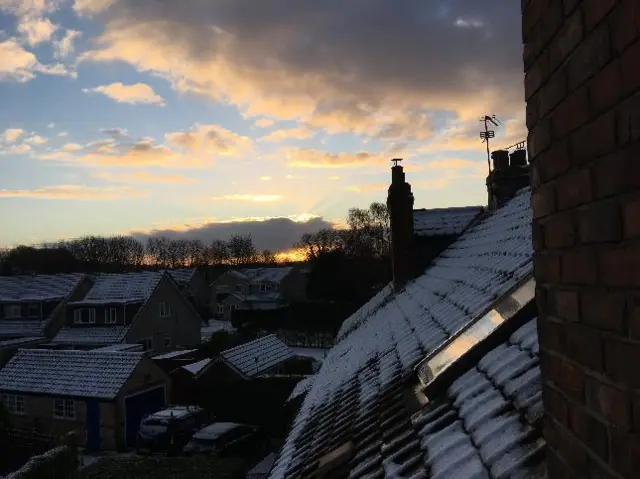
(138,406)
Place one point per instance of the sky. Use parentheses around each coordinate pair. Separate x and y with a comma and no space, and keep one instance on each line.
(199,118)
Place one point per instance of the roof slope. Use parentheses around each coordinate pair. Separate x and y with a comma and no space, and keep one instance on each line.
(15,328)
(380,348)
(258,356)
(94,374)
(263,275)
(39,287)
(91,335)
(127,287)
(444,221)
(182,276)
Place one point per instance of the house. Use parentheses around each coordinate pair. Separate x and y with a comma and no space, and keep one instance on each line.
(102,395)
(194,286)
(145,308)
(438,375)
(34,306)
(8,347)
(256,289)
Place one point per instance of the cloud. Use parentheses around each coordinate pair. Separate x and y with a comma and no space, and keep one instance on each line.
(275,234)
(115,132)
(295,60)
(286,134)
(72,192)
(72,147)
(36,140)
(21,65)
(265,178)
(143,177)
(132,94)
(19,149)
(55,156)
(108,153)
(91,7)
(311,158)
(366,188)
(210,139)
(264,122)
(63,133)
(63,47)
(35,30)
(10,135)
(248,197)
(51,125)
(334,178)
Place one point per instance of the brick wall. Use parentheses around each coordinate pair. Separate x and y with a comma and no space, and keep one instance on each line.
(582,86)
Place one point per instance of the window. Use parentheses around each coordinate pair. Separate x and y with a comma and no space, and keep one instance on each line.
(263,287)
(84,316)
(147,344)
(64,408)
(110,316)
(233,307)
(12,311)
(165,309)
(167,342)
(238,288)
(14,404)
(220,308)
(34,310)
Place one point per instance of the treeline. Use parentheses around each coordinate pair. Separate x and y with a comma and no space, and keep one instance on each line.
(126,253)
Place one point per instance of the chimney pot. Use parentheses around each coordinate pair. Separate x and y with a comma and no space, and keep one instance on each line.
(500,159)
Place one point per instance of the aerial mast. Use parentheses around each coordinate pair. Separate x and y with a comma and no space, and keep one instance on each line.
(486,135)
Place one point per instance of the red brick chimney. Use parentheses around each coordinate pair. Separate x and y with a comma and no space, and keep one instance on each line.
(582,87)
(400,204)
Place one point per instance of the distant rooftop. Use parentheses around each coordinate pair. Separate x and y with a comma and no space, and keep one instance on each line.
(444,221)
(38,287)
(122,288)
(263,275)
(258,356)
(93,335)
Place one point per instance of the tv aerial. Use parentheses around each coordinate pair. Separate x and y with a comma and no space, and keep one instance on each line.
(486,135)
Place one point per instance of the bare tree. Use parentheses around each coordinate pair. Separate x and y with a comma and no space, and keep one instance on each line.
(241,250)
(218,252)
(268,257)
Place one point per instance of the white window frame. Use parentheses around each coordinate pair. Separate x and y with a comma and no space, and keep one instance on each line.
(14,403)
(32,306)
(111,316)
(164,309)
(77,316)
(220,308)
(10,311)
(67,406)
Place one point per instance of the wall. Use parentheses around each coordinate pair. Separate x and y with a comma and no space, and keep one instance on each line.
(182,325)
(200,287)
(227,284)
(39,415)
(294,286)
(583,113)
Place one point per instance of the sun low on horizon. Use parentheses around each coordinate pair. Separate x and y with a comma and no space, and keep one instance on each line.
(202,118)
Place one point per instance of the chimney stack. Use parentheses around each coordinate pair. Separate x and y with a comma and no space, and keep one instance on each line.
(400,205)
(510,173)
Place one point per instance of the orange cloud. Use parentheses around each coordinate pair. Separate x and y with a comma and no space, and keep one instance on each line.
(311,158)
(210,139)
(287,134)
(132,94)
(72,192)
(248,197)
(143,177)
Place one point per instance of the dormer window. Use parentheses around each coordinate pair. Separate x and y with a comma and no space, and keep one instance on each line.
(12,311)
(84,316)
(110,316)
(34,310)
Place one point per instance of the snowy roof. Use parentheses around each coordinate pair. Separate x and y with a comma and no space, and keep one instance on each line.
(39,287)
(444,221)
(263,275)
(378,350)
(302,387)
(95,374)
(181,275)
(120,347)
(258,356)
(12,328)
(258,297)
(174,354)
(12,343)
(128,287)
(195,368)
(175,412)
(215,430)
(91,335)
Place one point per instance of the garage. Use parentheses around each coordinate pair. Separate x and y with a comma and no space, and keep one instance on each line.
(139,405)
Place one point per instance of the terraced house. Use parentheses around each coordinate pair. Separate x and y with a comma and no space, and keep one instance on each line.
(145,308)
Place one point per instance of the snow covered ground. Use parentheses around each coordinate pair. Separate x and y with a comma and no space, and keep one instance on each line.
(315,353)
(213,327)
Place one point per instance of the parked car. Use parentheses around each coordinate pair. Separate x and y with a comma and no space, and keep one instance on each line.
(167,431)
(227,439)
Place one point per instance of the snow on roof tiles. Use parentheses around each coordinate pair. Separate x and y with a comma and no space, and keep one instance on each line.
(195,368)
(128,287)
(120,347)
(39,287)
(94,374)
(444,221)
(263,275)
(174,354)
(10,328)
(91,335)
(20,341)
(181,275)
(258,356)
(301,388)
(362,376)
